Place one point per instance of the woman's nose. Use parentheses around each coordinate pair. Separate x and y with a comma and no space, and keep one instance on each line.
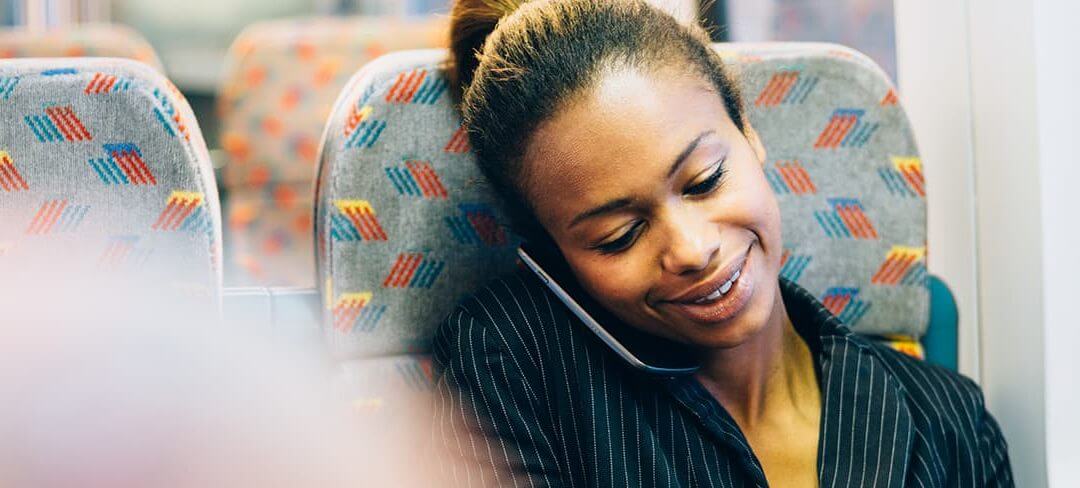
(692,243)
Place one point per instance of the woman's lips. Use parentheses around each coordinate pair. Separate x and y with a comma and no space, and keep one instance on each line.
(723,307)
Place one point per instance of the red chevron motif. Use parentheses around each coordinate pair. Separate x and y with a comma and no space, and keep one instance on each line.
(129,159)
(405,86)
(836,301)
(357,114)
(179,206)
(459,142)
(362,217)
(488,229)
(46,217)
(896,265)
(347,309)
(10,179)
(777,88)
(426,178)
(841,122)
(69,124)
(856,221)
(403,269)
(890,99)
(911,170)
(101,83)
(796,177)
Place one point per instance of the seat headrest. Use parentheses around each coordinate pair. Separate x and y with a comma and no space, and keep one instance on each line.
(406,226)
(103,168)
(281,78)
(85,40)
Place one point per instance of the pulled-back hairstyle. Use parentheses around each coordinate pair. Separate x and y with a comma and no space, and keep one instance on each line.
(515,62)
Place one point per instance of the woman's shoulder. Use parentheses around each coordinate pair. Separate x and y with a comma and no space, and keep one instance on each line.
(513,312)
(935,392)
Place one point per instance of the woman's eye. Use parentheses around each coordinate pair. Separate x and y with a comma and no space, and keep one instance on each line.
(623,242)
(708,184)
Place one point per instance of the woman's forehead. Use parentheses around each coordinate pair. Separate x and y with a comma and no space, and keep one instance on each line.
(620,139)
(630,121)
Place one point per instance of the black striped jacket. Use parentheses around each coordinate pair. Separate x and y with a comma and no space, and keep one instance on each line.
(529,397)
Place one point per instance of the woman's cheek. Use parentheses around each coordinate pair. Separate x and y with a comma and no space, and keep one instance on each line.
(613,281)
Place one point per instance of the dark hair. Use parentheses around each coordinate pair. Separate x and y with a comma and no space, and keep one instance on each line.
(515,62)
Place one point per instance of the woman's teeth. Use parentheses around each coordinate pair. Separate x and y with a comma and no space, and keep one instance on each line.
(722,290)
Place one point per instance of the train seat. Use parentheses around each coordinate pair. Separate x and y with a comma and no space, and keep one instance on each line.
(103,171)
(280,81)
(86,40)
(406,226)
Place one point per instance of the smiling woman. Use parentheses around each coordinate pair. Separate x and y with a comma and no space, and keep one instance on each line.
(617,139)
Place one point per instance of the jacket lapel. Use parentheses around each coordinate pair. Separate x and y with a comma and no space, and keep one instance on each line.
(866,427)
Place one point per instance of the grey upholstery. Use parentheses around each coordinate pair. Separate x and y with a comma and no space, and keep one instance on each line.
(103,169)
(405,226)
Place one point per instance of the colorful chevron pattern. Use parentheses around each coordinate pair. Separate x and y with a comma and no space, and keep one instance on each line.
(106,83)
(58,123)
(417,86)
(183,211)
(353,312)
(10,178)
(846,128)
(793,265)
(57,215)
(7,86)
(844,303)
(416,179)
(476,224)
(903,265)
(168,116)
(904,178)
(846,220)
(418,374)
(790,177)
(122,251)
(360,130)
(459,142)
(124,165)
(786,87)
(355,221)
(413,270)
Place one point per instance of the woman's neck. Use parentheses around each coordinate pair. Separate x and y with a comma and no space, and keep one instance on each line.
(773,370)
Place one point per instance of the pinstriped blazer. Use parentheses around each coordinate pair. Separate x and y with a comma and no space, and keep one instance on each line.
(527,396)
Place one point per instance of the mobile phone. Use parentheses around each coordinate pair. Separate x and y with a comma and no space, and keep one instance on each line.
(643,351)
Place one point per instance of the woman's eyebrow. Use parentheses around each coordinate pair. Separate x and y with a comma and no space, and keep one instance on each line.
(681,158)
(600,210)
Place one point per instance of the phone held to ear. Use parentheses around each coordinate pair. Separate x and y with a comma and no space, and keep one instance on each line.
(643,351)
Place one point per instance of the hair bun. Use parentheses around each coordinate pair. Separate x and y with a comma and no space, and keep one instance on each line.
(471,22)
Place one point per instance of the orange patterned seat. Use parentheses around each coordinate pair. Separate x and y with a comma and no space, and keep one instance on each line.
(281,80)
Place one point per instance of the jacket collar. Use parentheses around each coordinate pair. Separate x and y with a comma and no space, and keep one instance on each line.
(866,431)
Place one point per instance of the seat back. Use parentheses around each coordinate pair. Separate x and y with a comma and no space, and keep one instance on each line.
(280,81)
(96,40)
(103,170)
(406,225)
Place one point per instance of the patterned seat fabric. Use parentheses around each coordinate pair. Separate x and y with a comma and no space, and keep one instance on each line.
(103,170)
(280,83)
(95,40)
(406,227)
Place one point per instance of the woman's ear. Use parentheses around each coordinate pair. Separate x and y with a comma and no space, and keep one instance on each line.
(755,142)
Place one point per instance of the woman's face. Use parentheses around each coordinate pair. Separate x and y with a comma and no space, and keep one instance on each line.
(660,206)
